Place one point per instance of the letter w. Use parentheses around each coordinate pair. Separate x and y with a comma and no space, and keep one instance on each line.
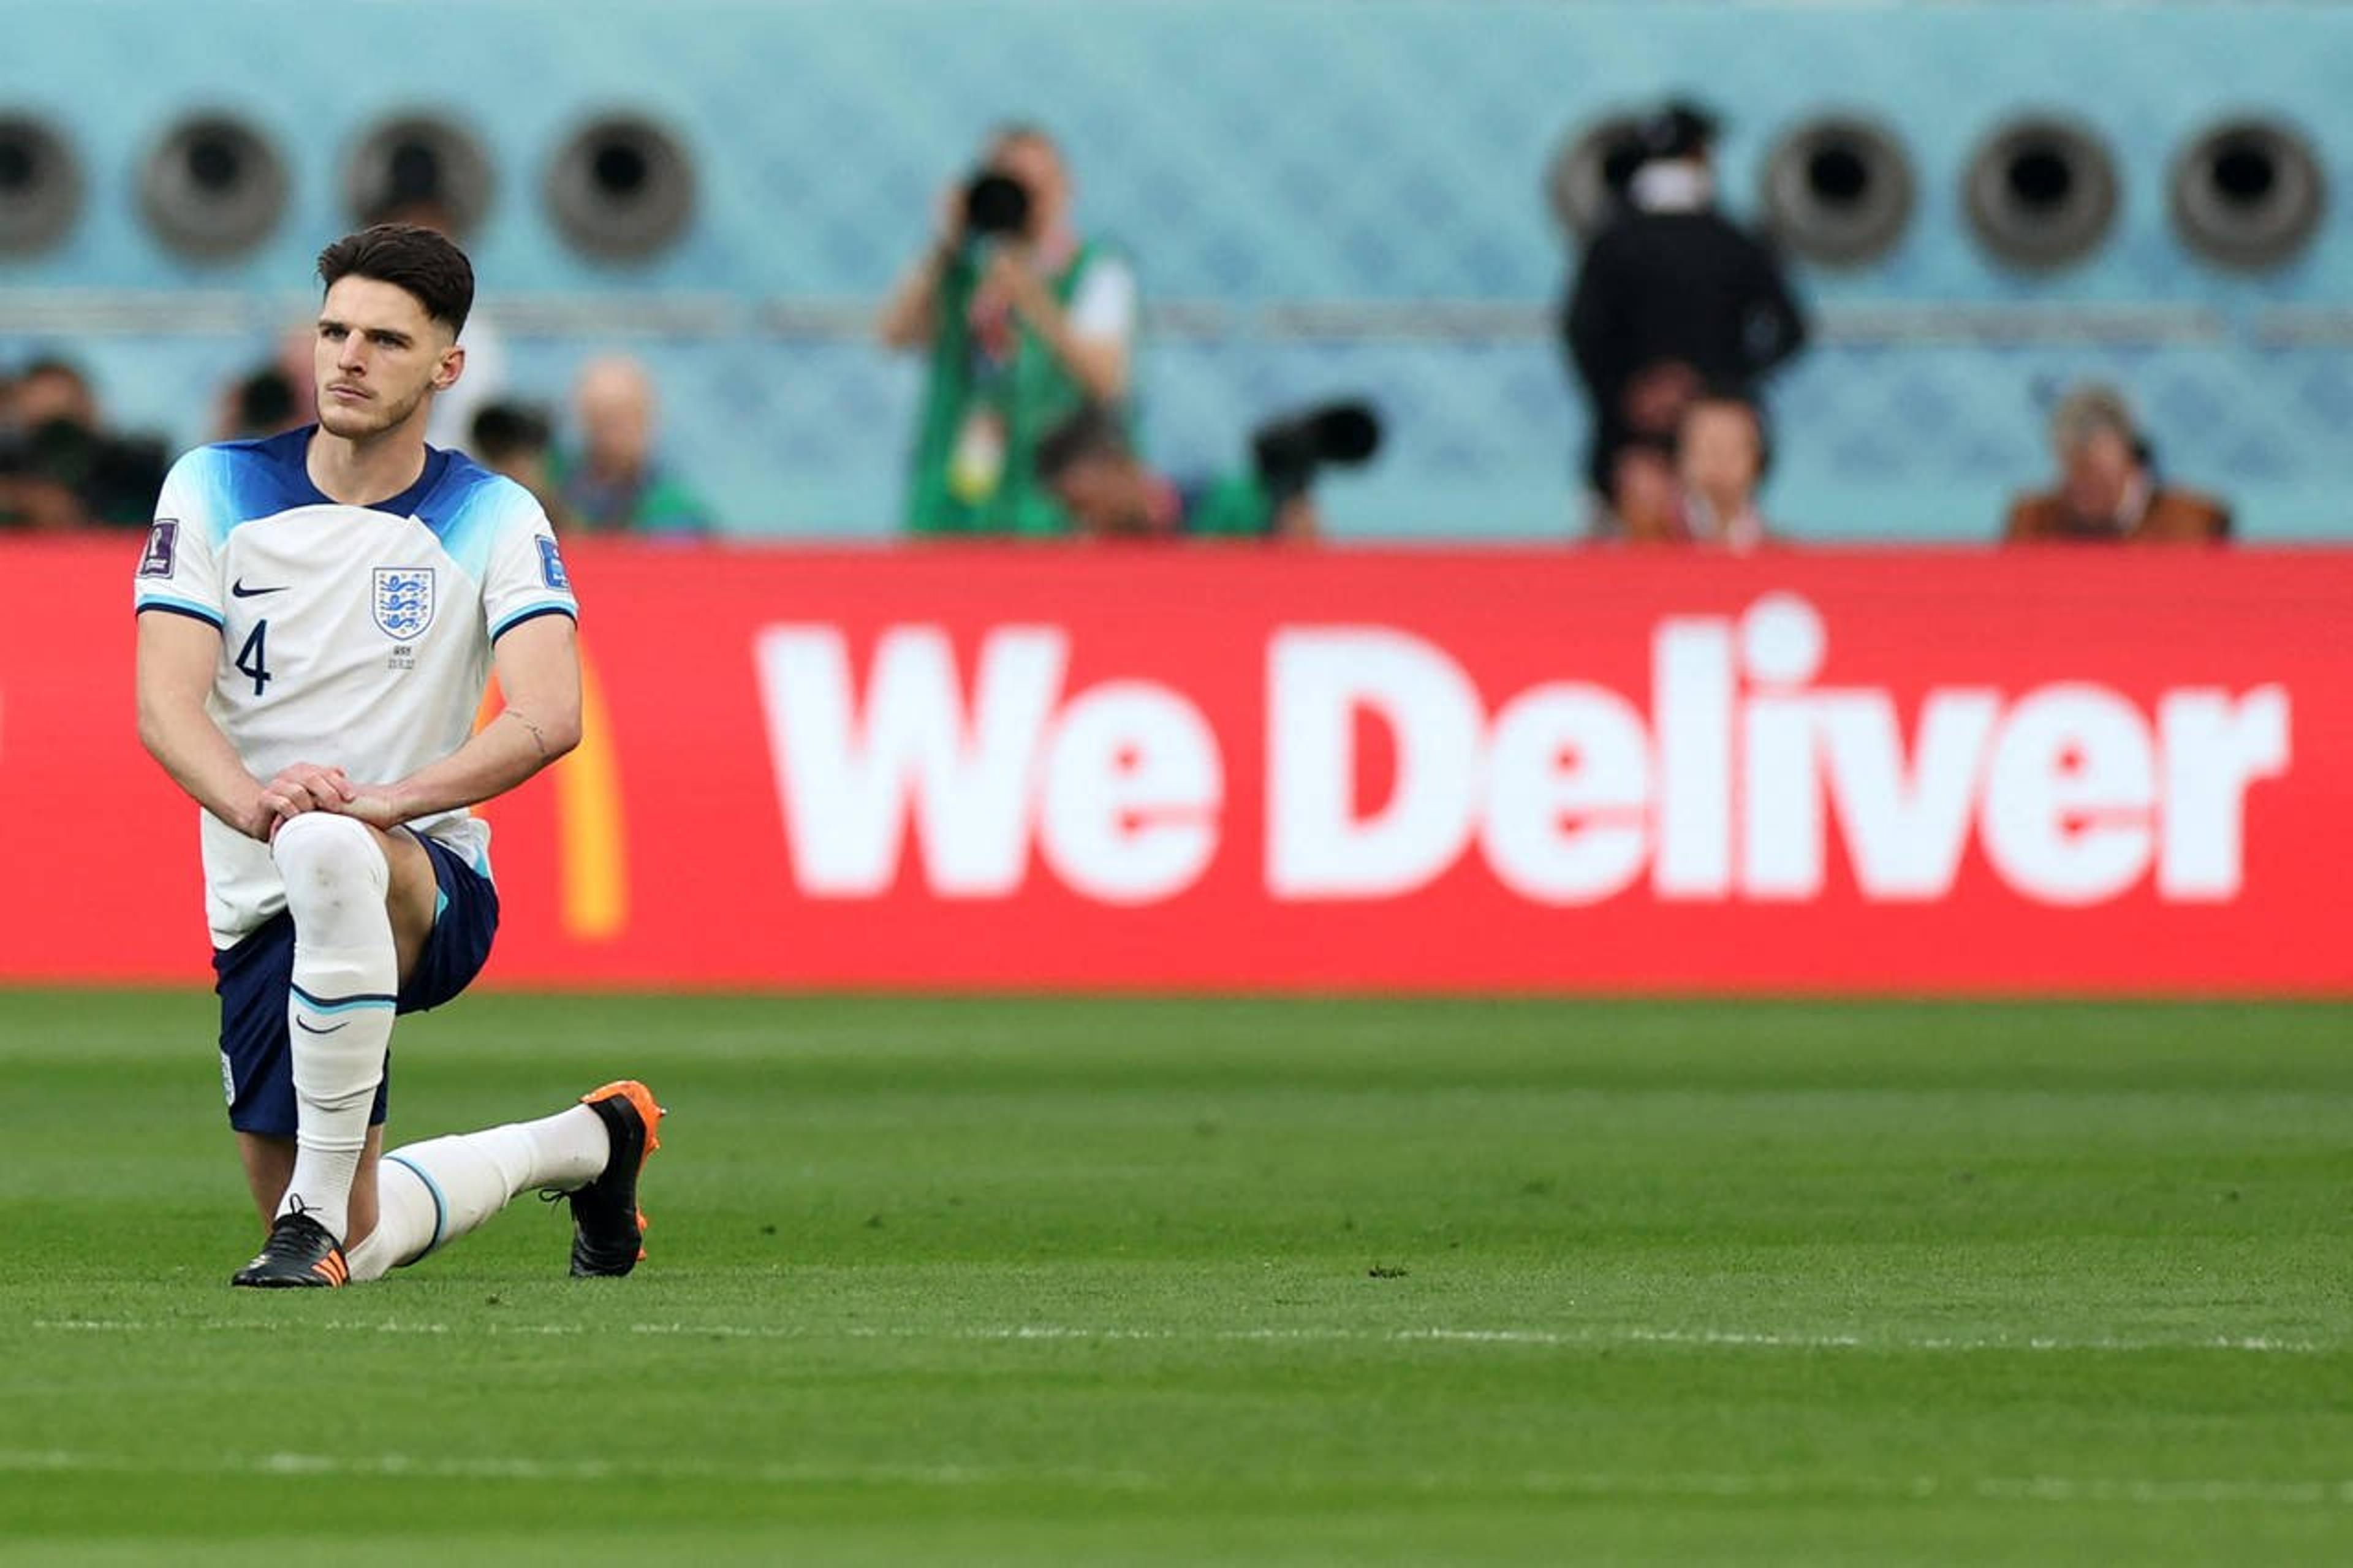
(848,782)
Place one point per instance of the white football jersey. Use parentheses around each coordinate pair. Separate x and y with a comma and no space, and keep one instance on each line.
(352,637)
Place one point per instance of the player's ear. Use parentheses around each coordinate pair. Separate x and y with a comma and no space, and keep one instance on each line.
(452,366)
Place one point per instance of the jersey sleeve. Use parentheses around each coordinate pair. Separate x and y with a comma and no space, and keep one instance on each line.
(178,572)
(527,578)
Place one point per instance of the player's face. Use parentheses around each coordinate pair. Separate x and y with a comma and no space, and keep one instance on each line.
(378,358)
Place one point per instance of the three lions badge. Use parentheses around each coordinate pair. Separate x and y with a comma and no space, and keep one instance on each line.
(403,601)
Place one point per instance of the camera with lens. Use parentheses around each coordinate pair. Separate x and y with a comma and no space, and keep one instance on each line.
(1288,452)
(996,205)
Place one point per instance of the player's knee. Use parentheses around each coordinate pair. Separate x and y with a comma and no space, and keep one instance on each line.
(326,860)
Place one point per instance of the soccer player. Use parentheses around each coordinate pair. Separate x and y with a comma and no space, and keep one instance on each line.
(319,613)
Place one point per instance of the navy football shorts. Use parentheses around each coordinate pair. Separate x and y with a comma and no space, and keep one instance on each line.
(255,976)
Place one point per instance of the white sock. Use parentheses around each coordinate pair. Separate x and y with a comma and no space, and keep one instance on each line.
(339,1014)
(430,1193)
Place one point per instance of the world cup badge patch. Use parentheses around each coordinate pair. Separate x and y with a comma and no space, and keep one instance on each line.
(163,550)
(403,601)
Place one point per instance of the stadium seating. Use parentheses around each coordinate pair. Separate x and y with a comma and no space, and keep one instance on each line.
(1321,195)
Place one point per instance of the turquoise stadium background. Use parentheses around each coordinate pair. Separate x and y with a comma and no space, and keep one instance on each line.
(1321,195)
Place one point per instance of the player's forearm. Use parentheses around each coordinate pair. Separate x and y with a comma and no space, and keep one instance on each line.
(501,755)
(190,748)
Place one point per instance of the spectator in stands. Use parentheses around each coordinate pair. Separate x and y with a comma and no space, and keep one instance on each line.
(15,505)
(1671,297)
(1090,468)
(278,395)
(614,482)
(296,350)
(260,403)
(61,467)
(1702,487)
(1640,499)
(1025,322)
(518,439)
(2108,485)
(1721,456)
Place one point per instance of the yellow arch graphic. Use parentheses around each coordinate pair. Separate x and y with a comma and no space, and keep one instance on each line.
(591,835)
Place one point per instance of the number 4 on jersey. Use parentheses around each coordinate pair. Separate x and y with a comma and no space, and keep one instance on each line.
(253,658)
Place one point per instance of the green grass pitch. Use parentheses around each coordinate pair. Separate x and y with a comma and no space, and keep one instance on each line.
(1185,1281)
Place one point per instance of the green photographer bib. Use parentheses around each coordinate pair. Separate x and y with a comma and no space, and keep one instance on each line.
(985,412)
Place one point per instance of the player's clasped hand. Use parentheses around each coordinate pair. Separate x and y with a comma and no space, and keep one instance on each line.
(304,787)
(375,804)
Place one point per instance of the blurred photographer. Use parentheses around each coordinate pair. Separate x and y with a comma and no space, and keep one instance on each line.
(1025,324)
(1111,493)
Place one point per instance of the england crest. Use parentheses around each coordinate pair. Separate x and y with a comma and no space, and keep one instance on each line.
(403,601)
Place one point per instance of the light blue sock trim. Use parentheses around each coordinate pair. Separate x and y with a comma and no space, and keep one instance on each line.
(440,1208)
(341,1004)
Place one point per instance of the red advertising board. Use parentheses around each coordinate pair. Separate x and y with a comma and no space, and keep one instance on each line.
(2094,771)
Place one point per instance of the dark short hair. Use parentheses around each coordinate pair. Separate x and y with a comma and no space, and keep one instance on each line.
(1094,431)
(1680,129)
(52,364)
(265,401)
(411,257)
(503,430)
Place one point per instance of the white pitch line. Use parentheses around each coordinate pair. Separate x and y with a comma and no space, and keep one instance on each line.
(519,1469)
(287,1325)
(1612,1334)
(2142,1490)
(2136,1491)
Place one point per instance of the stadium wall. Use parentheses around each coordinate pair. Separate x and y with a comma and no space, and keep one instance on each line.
(1444,771)
(1321,195)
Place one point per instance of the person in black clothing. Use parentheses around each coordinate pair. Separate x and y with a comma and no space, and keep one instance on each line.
(1673,296)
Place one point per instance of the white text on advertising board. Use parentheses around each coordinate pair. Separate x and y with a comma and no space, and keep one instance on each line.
(1732,785)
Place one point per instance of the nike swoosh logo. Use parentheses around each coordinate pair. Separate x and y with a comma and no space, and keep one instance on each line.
(304,1024)
(242,591)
